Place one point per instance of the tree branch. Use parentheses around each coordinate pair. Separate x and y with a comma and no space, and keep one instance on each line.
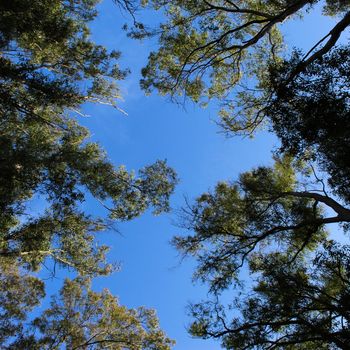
(334,36)
(343,213)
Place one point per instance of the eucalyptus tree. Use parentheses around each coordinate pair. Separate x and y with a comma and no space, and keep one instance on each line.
(211,49)
(292,306)
(79,318)
(49,68)
(273,220)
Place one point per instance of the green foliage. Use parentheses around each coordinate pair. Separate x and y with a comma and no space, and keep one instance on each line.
(299,306)
(49,68)
(266,209)
(19,294)
(212,49)
(201,51)
(311,114)
(268,223)
(334,7)
(80,318)
(223,49)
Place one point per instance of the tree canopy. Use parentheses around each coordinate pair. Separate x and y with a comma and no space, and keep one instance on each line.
(310,114)
(292,306)
(225,50)
(274,220)
(80,318)
(49,67)
(271,222)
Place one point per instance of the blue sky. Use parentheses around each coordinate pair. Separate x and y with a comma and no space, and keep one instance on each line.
(152,273)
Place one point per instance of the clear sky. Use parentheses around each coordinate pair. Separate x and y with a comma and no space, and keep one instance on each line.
(152,274)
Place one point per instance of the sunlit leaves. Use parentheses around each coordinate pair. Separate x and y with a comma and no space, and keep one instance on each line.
(79,318)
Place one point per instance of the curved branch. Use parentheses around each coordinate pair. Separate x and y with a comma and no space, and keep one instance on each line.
(334,35)
(343,213)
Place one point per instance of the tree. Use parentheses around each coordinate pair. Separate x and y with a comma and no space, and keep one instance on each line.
(310,114)
(80,318)
(265,208)
(211,49)
(272,220)
(298,306)
(269,223)
(49,68)
(19,294)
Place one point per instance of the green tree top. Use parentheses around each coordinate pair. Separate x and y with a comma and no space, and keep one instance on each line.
(273,223)
(299,306)
(223,49)
(80,318)
(49,67)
